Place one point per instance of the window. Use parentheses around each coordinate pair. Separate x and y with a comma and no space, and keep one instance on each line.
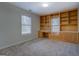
(55,24)
(26,24)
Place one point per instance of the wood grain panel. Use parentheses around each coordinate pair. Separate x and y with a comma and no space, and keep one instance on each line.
(78,36)
(65,36)
(68,23)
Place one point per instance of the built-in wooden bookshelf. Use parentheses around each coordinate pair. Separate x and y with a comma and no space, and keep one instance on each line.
(64,19)
(68,26)
(45,26)
(45,23)
(68,20)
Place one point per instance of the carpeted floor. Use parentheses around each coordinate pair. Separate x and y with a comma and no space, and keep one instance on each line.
(42,47)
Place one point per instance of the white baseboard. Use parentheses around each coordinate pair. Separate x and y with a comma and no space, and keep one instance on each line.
(13,44)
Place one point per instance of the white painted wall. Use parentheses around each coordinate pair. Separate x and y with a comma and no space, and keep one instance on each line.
(10,25)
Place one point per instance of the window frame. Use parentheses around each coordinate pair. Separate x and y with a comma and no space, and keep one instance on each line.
(27,25)
(54,26)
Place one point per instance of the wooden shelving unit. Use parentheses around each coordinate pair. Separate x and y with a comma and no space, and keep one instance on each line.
(64,20)
(68,26)
(68,20)
(73,17)
(45,26)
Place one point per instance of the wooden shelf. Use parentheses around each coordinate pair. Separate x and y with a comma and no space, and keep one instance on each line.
(73,13)
(64,25)
(69,28)
(64,22)
(45,26)
(73,17)
(68,22)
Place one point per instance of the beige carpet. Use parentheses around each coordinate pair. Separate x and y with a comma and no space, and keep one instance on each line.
(42,47)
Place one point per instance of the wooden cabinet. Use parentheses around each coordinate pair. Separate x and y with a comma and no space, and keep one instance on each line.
(55,36)
(68,20)
(70,37)
(78,37)
(45,23)
(40,35)
(43,34)
(65,36)
(45,26)
(68,26)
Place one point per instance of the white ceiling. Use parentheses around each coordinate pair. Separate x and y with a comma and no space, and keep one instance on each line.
(53,7)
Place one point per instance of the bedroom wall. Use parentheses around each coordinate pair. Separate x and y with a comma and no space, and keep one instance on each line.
(10,25)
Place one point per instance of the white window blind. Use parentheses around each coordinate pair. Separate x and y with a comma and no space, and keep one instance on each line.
(26,24)
(55,24)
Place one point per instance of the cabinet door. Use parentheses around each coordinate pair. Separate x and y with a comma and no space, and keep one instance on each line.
(56,36)
(40,35)
(67,37)
(78,37)
(61,36)
(74,38)
(70,37)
